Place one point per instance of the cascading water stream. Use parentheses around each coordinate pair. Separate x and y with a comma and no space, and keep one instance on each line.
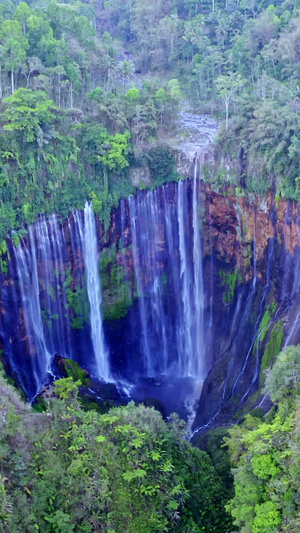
(198,368)
(185,331)
(91,259)
(27,270)
(172,338)
(50,293)
(138,277)
(56,285)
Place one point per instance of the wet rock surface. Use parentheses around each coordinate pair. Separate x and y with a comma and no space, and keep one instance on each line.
(251,265)
(194,138)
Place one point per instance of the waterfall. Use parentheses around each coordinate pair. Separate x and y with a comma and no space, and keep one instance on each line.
(91,260)
(55,296)
(138,276)
(185,332)
(55,289)
(167,258)
(198,365)
(254,247)
(27,270)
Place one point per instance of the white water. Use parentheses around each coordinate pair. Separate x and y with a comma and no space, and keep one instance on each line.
(198,367)
(185,332)
(91,260)
(27,269)
(168,229)
(138,274)
(51,300)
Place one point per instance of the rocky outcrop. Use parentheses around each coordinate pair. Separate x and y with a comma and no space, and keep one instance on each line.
(193,139)
(253,243)
(238,221)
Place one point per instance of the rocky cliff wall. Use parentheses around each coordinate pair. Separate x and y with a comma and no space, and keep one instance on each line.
(251,259)
(251,292)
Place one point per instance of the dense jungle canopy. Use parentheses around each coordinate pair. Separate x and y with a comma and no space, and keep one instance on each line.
(90,90)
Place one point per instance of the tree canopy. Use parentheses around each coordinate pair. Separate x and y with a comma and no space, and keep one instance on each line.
(265,456)
(124,471)
(67,69)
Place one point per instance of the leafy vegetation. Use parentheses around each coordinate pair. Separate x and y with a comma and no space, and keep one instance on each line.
(116,289)
(88,91)
(124,471)
(265,456)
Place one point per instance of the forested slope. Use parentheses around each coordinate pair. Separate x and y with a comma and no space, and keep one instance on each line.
(90,89)
(125,471)
(265,455)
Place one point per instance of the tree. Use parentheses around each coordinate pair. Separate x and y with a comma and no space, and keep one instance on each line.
(126,470)
(174,96)
(283,380)
(126,71)
(265,456)
(109,150)
(14,48)
(33,65)
(28,111)
(21,14)
(227,87)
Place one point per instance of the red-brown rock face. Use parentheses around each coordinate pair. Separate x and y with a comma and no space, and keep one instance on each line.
(233,223)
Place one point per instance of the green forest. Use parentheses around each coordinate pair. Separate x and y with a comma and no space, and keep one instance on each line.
(90,93)
(69,468)
(90,89)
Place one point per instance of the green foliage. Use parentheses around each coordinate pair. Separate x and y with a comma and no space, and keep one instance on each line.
(272,349)
(123,471)
(110,150)
(116,289)
(3,261)
(67,131)
(28,111)
(229,281)
(66,388)
(161,164)
(283,380)
(213,443)
(265,453)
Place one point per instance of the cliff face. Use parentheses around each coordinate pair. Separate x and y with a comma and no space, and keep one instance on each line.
(236,223)
(194,282)
(253,245)
(250,260)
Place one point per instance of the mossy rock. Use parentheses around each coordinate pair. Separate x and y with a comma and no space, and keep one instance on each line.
(116,289)
(70,369)
(272,349)
(229,281)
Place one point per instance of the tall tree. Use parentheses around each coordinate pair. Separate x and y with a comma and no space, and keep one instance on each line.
(227,87)
(15,45)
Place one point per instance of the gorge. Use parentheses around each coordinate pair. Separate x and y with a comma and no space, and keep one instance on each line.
(197,287)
